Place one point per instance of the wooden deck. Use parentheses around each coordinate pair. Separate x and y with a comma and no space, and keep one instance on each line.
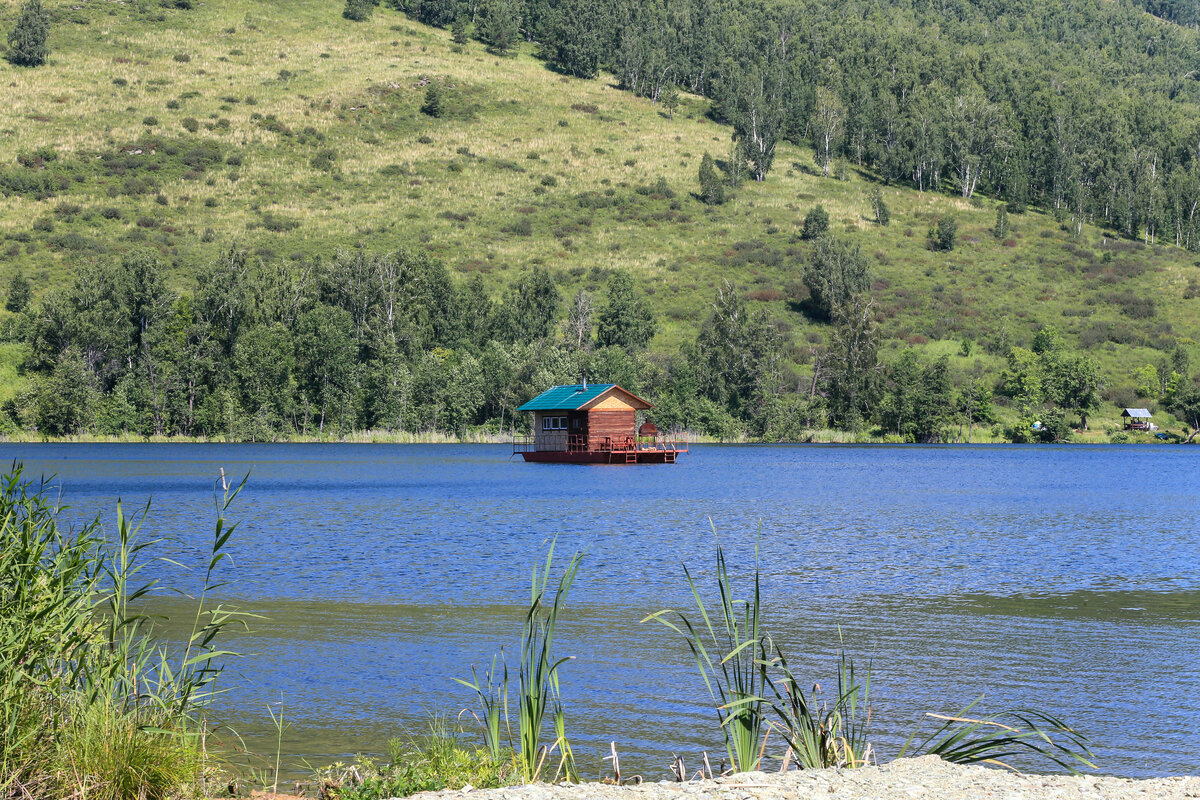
(565,448)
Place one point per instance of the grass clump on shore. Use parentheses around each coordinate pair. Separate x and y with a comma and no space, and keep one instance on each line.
(431,761)
(91,705)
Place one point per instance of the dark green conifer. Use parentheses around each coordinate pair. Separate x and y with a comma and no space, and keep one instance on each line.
(435,102)
(27,40)
(712,188)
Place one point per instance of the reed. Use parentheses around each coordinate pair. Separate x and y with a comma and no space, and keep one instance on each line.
(492,695)
(90,703)
(820,735)
(538,686)
(538,676)
(732,655)
(963,739)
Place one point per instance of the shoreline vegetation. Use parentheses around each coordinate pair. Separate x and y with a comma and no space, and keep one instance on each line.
(823,436)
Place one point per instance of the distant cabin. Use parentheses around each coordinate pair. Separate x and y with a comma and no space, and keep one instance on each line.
(593,424)
(1137,419)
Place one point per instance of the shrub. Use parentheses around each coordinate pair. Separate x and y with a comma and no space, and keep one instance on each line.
(1134,305)
(182,58)
(202,156)
(944,234)
(278,224)
(74,241)
(38,158)
(520,227)
(324,160)
(150,122)
(358,10)
(816,223)
(36,183)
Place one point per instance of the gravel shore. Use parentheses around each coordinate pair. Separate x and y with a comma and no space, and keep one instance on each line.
(904,779)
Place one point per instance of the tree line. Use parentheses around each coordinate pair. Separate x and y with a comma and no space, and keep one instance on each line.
(259,350)
(1088,109)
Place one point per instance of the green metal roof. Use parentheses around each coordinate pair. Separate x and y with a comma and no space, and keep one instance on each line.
(566,398)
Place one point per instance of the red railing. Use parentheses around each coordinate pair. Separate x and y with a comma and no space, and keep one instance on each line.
(560,442)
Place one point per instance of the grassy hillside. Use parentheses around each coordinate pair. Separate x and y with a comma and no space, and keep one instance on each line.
(289,130)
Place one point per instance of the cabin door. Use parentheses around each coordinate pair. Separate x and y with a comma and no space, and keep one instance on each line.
(577,428)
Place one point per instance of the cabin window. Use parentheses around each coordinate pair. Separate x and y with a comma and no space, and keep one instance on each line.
(554,423)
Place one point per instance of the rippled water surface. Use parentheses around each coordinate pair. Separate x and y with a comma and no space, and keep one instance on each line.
(1066,579)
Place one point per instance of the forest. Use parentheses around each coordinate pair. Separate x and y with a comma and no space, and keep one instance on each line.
(392,342)
(1087,109)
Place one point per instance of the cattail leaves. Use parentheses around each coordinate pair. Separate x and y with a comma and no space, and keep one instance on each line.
(537,679)
(732,655)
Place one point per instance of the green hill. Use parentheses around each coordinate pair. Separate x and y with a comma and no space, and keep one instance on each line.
(287,130)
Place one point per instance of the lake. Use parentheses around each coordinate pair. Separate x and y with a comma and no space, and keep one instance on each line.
(1065,579)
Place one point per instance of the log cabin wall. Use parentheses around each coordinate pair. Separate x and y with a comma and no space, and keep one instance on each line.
(614,424)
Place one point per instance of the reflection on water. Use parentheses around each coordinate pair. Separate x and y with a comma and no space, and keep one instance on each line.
(1061,578)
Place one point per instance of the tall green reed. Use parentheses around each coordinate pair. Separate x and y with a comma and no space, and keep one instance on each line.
(732,654)
(89,699)
(492,695)
(48,578)
(538,685)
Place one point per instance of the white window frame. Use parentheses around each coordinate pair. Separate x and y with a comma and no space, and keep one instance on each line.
(554,423)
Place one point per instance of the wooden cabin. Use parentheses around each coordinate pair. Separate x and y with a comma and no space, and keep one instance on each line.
(593,424)
(1137,419)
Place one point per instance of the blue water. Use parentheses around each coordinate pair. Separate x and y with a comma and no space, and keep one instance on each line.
(1062,578)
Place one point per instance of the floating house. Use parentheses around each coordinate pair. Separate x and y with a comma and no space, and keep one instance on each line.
(1137,419)
(593,424)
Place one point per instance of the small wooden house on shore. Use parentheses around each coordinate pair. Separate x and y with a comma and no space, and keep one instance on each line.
(1137,419)
(593,424)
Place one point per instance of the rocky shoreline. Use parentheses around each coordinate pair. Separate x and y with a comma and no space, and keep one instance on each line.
(926,778)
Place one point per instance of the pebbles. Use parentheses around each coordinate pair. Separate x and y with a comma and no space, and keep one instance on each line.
(927,778)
